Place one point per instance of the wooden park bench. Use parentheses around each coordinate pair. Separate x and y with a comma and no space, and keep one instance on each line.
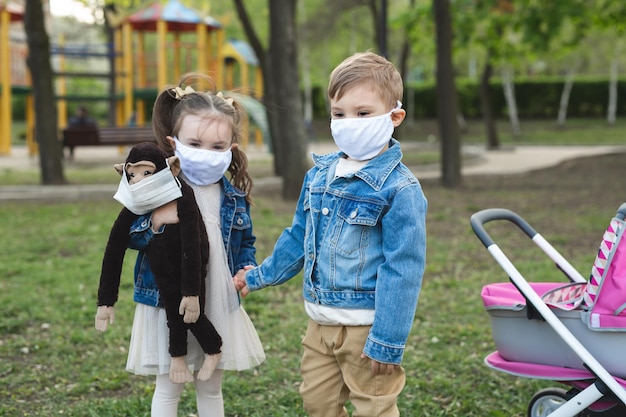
(88,135)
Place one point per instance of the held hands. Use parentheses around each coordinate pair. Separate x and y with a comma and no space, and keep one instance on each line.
(240,280)
(379,368)
(104,316)
(190,308)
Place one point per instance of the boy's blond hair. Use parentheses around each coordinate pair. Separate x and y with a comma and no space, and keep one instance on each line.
(370,69)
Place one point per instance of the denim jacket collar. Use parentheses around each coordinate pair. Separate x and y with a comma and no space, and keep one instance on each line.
(230,190)
(374,175)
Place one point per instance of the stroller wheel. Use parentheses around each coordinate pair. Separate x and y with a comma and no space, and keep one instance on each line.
(547,400)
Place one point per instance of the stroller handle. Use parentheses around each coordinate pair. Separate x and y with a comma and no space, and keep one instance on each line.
(621,212)
(479,219)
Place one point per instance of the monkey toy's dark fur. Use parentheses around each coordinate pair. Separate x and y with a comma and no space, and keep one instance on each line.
(178,258)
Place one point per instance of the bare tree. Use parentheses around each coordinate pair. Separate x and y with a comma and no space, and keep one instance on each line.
(38,61)
(446,97)
(281,87)
(493,142)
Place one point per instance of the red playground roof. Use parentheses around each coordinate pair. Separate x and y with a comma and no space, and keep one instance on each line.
(16,11)
(178,18)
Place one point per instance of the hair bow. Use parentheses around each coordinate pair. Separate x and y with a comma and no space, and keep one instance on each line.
(228,100)
(180,93)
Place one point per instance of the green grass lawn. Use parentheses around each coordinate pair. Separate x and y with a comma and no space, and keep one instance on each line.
(53,362)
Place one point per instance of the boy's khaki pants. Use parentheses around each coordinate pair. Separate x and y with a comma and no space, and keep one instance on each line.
(333,372)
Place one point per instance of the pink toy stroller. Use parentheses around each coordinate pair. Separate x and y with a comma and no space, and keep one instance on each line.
(572,333)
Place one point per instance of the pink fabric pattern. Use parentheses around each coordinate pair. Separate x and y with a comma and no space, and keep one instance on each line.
(599,266)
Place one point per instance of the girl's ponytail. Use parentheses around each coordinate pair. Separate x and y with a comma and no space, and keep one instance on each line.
(162,118)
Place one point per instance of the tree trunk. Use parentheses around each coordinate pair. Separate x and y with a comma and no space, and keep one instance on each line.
(564,103)
(447,97)
(281,92)
(612,107)
(405,50)
(110,36)
(306,79)
(509,94)
(38,61)
(288,117)
(485,101)
(378,8)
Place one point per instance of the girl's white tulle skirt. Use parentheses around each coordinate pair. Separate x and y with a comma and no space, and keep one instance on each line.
(148,353)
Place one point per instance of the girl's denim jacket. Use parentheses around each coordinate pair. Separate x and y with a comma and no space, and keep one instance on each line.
(236,234)
(361,240)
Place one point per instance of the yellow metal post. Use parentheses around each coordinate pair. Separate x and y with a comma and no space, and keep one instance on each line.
(201,47)
(33,149)
(140,116)
(219,64)
(258,92)
(128,72)
(177,61)
(62,88)
(5,84)
(119,80)
(258,83)
(245,77)
(161,54)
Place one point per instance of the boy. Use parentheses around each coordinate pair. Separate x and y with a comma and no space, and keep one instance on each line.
(359,233)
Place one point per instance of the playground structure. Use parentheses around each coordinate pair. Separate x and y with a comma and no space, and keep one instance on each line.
(152,47)
(14,79)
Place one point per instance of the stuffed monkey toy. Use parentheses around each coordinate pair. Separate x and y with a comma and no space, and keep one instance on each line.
(178,258)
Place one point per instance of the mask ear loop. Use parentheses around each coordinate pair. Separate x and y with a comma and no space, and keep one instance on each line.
(167,165)
(125,174)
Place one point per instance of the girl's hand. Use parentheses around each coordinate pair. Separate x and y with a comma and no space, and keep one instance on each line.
(239,281)
(166,214)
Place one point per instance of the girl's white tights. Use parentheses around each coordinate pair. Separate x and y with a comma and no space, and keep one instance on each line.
(209,398)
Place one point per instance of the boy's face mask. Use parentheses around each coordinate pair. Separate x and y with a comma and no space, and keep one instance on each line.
(150,193)
(362,138)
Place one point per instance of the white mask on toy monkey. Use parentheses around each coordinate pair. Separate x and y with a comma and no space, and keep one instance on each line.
(150,193)
(202,166)
(362,138)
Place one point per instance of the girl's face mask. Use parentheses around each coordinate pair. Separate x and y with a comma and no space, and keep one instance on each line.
(362,138)
(202,166)
(150,193)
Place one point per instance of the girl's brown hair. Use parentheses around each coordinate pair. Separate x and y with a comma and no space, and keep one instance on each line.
(176,102)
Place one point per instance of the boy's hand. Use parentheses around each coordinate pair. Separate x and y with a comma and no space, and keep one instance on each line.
(379,368)
(190,308)
(104,316)
(240,280)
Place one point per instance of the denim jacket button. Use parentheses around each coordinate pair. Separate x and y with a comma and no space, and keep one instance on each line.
(239,222)
(353,214)
(325,211)
(144,223)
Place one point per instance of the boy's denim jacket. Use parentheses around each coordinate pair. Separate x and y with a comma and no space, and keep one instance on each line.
(362,243)
(236,234)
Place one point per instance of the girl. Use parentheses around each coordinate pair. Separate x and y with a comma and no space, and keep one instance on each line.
(203,129)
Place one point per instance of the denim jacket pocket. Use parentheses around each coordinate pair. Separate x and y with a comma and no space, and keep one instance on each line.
(241,220)
(356,221)
(364,213)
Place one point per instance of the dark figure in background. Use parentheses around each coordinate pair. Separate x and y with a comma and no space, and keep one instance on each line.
(81,118)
